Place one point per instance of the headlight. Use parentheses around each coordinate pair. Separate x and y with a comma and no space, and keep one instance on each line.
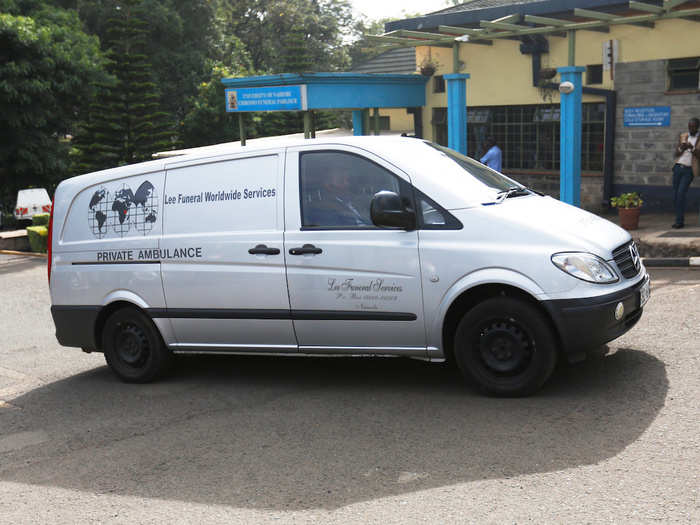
(585,266)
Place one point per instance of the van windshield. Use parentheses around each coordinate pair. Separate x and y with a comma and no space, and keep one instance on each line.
(483,174)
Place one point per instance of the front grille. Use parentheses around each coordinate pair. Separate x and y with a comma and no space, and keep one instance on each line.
(627,259)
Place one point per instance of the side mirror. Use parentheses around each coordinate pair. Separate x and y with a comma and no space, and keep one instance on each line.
(387,211)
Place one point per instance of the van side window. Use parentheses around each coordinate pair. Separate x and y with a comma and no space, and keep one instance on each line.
(431,216)
(337,187)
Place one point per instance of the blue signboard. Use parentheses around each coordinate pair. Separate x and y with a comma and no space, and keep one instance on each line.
(276,98)
(648,116)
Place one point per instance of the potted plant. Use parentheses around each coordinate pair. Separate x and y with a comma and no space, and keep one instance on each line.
(428,66)
(628,206)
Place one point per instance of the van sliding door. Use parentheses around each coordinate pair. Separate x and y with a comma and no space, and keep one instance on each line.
(221,256)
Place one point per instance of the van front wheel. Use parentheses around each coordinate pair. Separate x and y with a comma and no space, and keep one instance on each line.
(506,347)
(133,347)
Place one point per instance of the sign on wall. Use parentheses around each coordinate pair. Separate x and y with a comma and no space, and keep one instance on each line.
(611,52)
(276,98)
(647,116)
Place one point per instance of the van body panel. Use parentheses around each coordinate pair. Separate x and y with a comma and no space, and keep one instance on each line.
(104,232)
(215,212)
(69,190)
(546,218)
(372,271)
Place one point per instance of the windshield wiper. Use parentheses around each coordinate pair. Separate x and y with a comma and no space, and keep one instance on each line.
(515,191)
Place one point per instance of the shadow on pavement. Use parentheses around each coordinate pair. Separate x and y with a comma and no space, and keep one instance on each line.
(320,433)
(17,263)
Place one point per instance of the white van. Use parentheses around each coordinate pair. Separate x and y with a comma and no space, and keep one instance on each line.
(31,202)
(351,246)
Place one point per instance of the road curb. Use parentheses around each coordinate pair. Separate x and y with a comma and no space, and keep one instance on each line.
(671,262)
(30,254)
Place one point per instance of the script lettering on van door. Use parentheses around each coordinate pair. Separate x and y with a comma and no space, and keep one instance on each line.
(220,196)
(367,294)
(155,254)
(117,208)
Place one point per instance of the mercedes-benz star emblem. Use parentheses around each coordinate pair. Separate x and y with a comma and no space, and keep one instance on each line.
(635,256)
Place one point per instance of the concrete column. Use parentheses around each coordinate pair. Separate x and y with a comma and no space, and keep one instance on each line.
(357,123)
(457,111)
(570,141)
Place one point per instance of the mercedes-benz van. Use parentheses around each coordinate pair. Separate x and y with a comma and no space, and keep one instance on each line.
(352,246)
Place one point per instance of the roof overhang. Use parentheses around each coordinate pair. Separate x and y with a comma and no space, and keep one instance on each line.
(340,90)
(549,18)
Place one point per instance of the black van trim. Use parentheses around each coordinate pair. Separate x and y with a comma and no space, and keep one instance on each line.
(113,262)
(306,315)
(75,324)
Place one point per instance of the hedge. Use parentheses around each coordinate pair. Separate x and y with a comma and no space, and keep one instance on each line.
(38,235)
(40,219)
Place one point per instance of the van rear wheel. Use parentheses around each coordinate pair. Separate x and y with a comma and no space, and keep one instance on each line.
(133,347)
(506,347)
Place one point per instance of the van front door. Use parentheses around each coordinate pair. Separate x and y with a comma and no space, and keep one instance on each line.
(354,288)
(221,256)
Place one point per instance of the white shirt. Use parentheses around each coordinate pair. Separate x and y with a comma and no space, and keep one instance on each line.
(686,157)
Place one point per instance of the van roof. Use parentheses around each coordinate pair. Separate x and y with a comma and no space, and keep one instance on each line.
(372,143)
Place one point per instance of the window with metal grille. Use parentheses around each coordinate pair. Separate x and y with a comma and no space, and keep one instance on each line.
(529,135)
(683,73)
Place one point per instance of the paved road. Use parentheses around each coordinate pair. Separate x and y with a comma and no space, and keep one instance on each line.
(262,440)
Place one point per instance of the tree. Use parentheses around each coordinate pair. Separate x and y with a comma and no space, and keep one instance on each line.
(262,26)
(180,38)
(207,122)
(125,124)
(48,68)
(360,50)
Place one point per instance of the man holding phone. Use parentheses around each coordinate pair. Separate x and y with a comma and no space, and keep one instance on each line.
(687,167)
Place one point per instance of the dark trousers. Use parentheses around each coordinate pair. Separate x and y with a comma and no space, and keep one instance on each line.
(682,177)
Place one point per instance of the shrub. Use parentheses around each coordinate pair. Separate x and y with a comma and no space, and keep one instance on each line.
(40,219)
(38,235)
(8,221)
(627,200)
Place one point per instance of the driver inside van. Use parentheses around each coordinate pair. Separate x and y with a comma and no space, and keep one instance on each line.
(339,202)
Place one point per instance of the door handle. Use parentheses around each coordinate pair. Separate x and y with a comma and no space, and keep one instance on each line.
(307,248)
(261,249)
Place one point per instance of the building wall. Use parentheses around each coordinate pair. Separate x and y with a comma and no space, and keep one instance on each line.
(644,156)
(500,74)
(399,119)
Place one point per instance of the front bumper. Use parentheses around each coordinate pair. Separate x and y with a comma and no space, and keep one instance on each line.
(588,323)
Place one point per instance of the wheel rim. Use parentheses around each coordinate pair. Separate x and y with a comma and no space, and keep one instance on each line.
(131,344)
(504,347)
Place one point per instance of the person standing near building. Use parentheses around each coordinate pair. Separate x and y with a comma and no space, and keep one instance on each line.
(493,156)
(687,167)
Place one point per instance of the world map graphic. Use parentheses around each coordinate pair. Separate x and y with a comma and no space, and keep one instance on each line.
(122,211)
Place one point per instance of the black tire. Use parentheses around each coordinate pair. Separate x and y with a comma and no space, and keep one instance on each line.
(506,347)
(133,347)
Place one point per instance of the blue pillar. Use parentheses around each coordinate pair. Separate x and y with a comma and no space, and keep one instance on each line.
(357,128)
(457,111)
(570,142)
